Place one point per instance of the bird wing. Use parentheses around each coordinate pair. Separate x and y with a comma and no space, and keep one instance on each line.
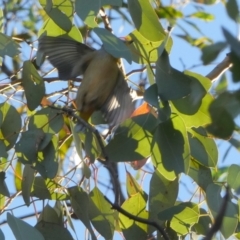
(65,54)
(119,105)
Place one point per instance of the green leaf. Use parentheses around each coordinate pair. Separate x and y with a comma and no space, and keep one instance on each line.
(47,164)
(18,176)
(50,28)
(2,237)
(132,229)
(210,53)
(23,230)
(169,12)
(214,201)
(181,217)
(133,187)
(143,50)
(190,104)
(203,16)
(200,174)
(101,214)
(202,227)
(232,9)
(222,110)
(113,45)
(52,215)
(3,151)
(162,194)
(80,204)
(200,118)
(91,145)
(203,149)
(8,46)
(170,148)
(47,189)
(33,85)
(53,231)
(233,177)
(169,79)
(132,139)
(11,125)
(27,182)
(48,119)
(1,23)
(28,145)
(146,20)
(87,10)
(3,186)
(222,84)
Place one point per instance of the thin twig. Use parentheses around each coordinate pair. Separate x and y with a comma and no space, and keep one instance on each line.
(219,218)
(138,219)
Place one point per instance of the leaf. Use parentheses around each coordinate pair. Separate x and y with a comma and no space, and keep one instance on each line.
(168,12)
(203,149)
(53,231)
(214,201)
(232,9)
(18,175)
(2,237)
(162,194)
(60,12)
(200,174)
(132,229)
(47,189)
(23,230)
(170,148)
(3,152)
(113,45)
(132,139)
(202,16)
(28,145)
(145,20)
(143,50)
(33,85)
(80,204)
(47,164)
(233,176)
(3,186)
(48,119)
(202,227)
(101,214)
(8,46)
(50,28)
(11,125)
(52,215)
(210,53)
(27,182)
(87,10)
(1,26)
(181,217)
(133,187)
(222,84)
(201,117)
(169,79)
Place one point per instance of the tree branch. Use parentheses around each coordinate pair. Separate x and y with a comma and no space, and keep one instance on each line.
(138,219)
(220,68)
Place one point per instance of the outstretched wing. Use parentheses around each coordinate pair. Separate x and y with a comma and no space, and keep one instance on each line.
(119,105)
(65,54)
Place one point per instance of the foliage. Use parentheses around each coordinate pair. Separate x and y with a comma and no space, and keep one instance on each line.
(174,128)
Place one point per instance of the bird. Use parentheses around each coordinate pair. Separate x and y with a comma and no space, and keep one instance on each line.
(103,85)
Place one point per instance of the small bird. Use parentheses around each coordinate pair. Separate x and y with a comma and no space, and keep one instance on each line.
(103,86)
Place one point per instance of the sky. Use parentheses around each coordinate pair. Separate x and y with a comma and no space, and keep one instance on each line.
(181,52)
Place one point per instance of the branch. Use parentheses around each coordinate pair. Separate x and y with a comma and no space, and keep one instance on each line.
(219,218)
(220,68)
(138,219)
